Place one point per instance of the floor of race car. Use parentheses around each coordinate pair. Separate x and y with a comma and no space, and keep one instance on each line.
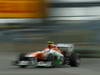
(89,66)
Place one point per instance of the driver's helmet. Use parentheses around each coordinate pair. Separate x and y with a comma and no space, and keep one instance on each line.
(51,44)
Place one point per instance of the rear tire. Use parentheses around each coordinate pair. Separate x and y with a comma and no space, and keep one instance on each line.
(74,60)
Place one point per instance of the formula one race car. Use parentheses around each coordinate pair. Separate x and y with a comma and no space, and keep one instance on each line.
(49,57)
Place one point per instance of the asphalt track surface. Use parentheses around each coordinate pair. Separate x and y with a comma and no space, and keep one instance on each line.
(89,66)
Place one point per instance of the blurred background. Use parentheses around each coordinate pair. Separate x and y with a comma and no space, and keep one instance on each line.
(26,25)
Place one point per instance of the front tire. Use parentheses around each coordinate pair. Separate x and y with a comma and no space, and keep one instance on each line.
(52,59)
(22,66)
(21,56)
